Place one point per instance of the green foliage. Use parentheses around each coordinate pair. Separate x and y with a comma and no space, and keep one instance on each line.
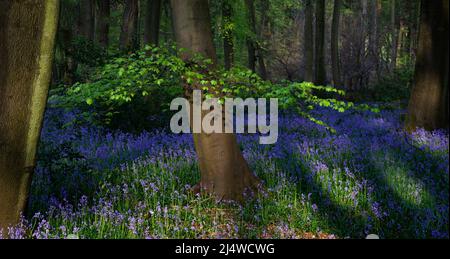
(128,89)
(300,97)
(87,52)
(396,86)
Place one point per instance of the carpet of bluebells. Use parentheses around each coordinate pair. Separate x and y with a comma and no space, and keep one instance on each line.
(370,177)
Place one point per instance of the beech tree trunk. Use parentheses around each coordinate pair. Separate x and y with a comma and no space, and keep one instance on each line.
(308,42)
(428,106)
(336,67)
(27,33)
(228,43)
(152,22)
(224,171)
(104,13)
(320,77)
(128,36)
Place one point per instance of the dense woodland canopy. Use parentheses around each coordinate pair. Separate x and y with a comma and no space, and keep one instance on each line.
(370,76)
(289,39)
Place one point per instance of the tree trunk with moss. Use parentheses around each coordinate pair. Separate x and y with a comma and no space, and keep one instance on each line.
(224,171)
(428,106)
(27,32)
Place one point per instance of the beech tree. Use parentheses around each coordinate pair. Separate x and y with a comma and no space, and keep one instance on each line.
(27,33)
(224,171)
(428,106)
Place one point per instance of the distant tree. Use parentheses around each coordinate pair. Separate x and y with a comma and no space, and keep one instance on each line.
(87,19)
(308,40)
(374,9)
(152,22)
(265,9)
(320,71)
(103,22)
(394,37)
(428,106)
(335,62)
(224,171)
(251,44)
(27,30)
(228,43)
(129,39)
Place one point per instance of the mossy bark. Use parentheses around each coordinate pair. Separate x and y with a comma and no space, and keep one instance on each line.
(27,33)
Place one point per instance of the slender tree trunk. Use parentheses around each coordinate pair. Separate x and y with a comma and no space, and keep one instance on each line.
(228,44)
(128,35)
(152,22)
(251,45)
(394,37)
(402,31)
(308,42)
(320,77)
(428,106)
(414,25)
(336,67)
(104,13)
(265,5)
(87,19)
(224,171)
(373,54)
(70,65)
(27,33)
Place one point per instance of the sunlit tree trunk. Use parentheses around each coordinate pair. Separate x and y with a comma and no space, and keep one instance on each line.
(320,77)
(336,67)
(27,33)
(104,13)
(308,42)
(224,171)
(428,106)
(152,22)
(128,35)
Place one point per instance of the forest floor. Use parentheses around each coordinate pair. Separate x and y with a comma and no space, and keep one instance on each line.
(370,177)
